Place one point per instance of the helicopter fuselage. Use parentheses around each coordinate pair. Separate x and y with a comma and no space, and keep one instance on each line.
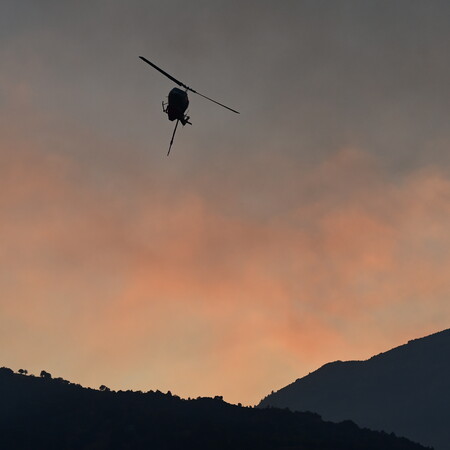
(177,106)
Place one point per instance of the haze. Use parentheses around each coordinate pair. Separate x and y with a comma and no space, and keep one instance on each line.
(311,227)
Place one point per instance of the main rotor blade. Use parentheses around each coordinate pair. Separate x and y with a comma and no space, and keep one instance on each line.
(211,100)
(164,73)
(186,87)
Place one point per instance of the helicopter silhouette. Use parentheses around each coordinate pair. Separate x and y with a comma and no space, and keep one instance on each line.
(178,102)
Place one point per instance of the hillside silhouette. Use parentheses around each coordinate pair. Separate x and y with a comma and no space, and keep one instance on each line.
(46,413)
(405,390)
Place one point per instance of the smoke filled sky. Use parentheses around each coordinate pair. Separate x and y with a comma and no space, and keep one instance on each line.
(312,227)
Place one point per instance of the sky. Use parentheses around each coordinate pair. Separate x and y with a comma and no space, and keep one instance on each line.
(312,227)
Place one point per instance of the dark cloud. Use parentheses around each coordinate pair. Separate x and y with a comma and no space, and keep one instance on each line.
(309,77)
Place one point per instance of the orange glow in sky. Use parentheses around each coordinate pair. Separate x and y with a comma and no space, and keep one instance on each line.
(264,247)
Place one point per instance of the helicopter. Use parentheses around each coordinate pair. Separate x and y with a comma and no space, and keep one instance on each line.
(178,102)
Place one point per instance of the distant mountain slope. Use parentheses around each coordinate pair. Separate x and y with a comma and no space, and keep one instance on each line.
(405,390)
(43,413)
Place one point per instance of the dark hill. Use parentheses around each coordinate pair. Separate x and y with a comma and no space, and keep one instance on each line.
(405,390)
(44,413)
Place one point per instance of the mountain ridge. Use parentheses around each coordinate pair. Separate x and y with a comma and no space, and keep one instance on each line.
(403,390)
(45,413)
